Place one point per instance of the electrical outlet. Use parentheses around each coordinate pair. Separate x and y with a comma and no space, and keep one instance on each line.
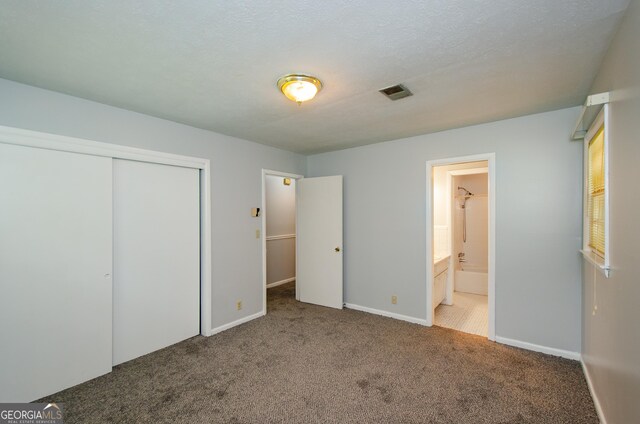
(257,234)
(394,300)
(239,304)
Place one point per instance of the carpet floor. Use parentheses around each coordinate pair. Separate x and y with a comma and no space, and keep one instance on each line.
(309,364)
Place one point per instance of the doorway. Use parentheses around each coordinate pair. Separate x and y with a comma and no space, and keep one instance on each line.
(280,234)
(314,238)
(461,244)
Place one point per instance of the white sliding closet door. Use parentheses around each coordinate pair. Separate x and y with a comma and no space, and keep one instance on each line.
(156,294)
(55,270)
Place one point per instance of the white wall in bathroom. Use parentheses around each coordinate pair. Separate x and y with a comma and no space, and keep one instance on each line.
(442,197)
(475,183)
(476,248)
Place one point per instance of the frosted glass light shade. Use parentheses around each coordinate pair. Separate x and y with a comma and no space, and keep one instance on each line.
(299,88)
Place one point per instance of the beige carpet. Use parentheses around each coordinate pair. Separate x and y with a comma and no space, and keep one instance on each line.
(308,364)
(469,313)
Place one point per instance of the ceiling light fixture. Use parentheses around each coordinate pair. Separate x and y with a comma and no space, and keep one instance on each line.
(299,87)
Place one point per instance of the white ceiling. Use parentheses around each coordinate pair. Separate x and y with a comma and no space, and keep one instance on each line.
(214,64)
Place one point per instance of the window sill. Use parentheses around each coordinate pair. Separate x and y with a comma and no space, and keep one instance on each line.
(596,261)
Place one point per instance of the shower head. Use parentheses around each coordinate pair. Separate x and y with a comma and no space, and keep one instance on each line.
(466,192)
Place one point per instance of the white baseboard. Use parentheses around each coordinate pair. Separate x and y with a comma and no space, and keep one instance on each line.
(539,348)
(281,282)
(386,314)
(596,401)
(236,323)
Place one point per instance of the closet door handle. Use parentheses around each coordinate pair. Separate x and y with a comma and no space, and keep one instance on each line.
(337,249)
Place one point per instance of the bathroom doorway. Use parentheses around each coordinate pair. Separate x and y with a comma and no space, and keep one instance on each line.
(460,244)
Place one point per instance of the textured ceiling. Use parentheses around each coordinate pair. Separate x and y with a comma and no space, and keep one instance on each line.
(214,64)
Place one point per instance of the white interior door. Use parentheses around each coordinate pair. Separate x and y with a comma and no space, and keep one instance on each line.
(319,241)
(55,270)
(156,264)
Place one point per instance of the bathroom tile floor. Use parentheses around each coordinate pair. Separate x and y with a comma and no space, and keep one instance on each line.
(469,313)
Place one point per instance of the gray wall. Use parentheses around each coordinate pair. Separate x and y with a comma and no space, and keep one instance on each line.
(539,206)
(236,177)
(611,336)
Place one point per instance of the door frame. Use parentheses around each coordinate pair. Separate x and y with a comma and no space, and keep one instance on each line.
(263,223)
(491,161)
(41,140)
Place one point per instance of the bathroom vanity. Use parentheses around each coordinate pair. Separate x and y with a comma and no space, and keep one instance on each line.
(441,276)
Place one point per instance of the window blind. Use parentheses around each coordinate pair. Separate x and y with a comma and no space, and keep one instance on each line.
(596,192)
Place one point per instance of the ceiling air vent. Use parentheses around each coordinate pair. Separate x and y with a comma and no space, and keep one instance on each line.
(396,92)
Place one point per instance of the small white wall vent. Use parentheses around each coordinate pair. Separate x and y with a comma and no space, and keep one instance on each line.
(396,92)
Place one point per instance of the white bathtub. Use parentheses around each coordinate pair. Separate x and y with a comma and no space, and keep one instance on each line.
(474,279)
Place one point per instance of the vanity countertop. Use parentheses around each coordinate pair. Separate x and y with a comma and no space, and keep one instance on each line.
(440,264)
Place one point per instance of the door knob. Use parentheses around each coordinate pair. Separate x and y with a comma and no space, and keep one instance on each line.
(337,249)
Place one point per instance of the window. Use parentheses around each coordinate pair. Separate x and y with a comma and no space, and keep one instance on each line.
(595,192)
(596,225)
